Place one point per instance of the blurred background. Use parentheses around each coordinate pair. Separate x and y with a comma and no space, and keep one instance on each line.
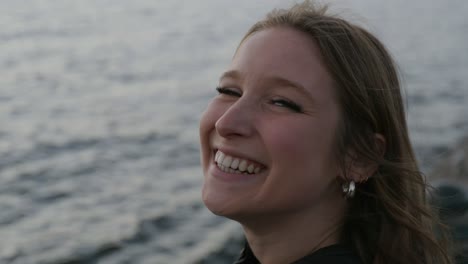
(99,109)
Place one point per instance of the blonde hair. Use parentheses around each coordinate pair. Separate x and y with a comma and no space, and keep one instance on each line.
(389,219)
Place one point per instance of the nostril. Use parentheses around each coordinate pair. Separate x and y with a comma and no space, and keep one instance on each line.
(233,129)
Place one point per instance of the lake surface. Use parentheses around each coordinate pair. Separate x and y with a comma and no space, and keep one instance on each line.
(99,109)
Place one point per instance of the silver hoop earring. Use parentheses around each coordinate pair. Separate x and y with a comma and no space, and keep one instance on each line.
(349,189)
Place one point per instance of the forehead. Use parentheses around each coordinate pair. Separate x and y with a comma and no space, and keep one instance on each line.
(282,52)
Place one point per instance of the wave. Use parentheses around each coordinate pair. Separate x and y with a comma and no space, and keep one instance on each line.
(47,150)
(202,239)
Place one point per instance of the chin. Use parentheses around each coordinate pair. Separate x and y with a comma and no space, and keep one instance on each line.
(221,203)
(213,201)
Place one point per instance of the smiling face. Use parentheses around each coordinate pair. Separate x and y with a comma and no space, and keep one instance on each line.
(267,139)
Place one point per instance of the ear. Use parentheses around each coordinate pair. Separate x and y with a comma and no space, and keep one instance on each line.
(359,170)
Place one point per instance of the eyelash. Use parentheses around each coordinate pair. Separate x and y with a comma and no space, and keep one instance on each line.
(280,102)
(289,104)
(227,91)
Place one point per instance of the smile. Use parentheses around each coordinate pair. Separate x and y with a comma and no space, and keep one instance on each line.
(236,165)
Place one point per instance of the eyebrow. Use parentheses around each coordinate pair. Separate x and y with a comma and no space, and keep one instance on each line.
(279,81)
(233,74)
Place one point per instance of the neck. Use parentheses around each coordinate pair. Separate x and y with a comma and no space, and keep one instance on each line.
(286,239)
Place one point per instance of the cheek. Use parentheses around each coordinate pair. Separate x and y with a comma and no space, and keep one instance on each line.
(303,163)
(207,126)
(207,121)
(302,143)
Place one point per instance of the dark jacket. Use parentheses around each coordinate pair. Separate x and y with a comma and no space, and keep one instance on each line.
(334,254)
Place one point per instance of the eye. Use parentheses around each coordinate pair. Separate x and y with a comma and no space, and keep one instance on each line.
(287,104)
(228,91)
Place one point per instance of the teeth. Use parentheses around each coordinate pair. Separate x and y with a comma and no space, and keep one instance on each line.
(243,165)
(227,161)
(234,165)
(220,157)
(234,171)
(250,168)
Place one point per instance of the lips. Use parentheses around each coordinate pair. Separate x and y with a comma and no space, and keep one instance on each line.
(237,165)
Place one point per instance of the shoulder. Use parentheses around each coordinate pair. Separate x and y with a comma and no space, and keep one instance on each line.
(339,254)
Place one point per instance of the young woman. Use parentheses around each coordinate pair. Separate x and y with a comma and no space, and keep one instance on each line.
(306,146)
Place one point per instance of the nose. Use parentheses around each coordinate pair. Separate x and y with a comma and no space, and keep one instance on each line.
(236,121)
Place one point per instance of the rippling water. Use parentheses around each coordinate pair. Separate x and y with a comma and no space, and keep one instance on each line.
(99,105)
